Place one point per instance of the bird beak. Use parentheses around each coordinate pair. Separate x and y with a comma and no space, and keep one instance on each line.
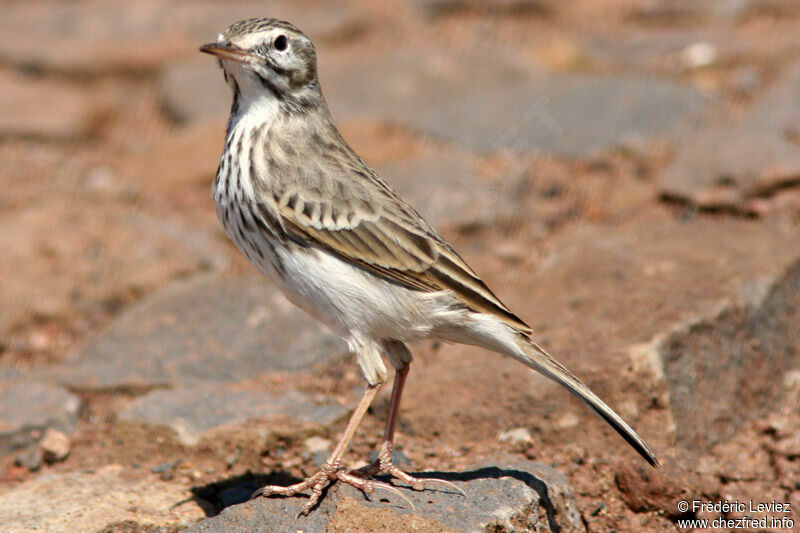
(225,50)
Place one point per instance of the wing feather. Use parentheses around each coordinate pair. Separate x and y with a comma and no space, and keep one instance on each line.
(413,257)
(341,205)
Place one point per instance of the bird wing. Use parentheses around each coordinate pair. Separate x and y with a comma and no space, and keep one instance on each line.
(365,222)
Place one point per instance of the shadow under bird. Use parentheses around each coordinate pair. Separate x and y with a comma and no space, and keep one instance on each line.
(315,219)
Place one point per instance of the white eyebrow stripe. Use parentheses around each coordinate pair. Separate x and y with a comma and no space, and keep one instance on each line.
(252,39)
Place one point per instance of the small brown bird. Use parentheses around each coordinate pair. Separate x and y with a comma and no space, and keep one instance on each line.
(315,219)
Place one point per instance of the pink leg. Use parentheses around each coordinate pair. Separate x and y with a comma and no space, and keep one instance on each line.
(394,405)
(384,464)
(332,470)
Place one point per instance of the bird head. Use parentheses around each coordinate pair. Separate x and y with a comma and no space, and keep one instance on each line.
(266,58)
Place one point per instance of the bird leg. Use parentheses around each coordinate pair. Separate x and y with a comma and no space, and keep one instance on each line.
(383,464)
(333,470)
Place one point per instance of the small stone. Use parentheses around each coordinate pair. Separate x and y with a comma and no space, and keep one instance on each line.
(40,341)
(28,409)
(31,458)
(102,181)
(515,436)
(791,380)
(165,467)
(569,420)
(317,444)
(55,446)
(699,55)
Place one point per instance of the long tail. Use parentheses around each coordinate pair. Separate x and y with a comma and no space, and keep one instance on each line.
(538,359)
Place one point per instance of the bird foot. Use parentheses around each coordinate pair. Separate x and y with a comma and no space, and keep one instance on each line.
(316,483)
(384,465)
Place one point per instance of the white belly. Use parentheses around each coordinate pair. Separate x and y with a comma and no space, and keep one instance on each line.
(350,299)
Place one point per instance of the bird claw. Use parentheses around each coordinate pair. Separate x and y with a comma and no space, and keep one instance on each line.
(384,465)
(368,486)
(317,482)
(415,483)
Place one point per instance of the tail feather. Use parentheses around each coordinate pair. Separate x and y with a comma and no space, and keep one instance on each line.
(538,359)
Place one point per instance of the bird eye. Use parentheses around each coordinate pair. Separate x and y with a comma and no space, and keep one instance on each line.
(281,43)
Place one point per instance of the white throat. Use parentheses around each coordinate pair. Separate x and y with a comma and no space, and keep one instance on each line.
(255,105)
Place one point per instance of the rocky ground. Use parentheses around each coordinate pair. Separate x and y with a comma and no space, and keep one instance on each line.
(624,173)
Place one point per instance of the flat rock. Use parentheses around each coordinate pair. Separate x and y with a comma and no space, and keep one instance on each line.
(29,408)
(192,412)
(104,250)
(733,162)
(739,353)
(205,329)
(444,185)
(516,496)
(79,501)
(511,106)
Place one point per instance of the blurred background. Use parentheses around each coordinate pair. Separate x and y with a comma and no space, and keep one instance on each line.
(625,174)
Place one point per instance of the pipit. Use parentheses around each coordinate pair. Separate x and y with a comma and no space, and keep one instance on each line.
(315,219)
